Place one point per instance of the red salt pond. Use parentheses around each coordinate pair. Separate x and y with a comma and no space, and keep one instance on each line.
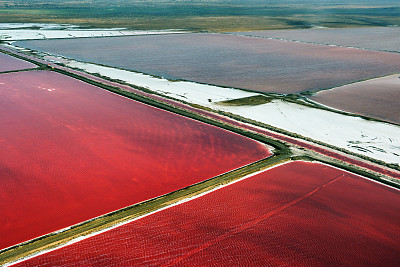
(9,63)
(297,214)
(71,151)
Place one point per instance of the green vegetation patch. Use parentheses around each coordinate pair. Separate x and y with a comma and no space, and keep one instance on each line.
(247,101)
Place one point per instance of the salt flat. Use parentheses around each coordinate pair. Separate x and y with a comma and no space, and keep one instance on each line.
(196,93)
(373,139)
(34,31)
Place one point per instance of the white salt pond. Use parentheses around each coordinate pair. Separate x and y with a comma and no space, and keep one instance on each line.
(34,31)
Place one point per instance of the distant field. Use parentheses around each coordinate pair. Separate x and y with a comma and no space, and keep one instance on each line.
(377,98)
(236,61)
(8,63)
(71,151)
(380,38)
(297,214)
(199,15)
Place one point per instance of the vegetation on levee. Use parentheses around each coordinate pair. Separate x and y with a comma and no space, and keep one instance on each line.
(247,101)
(11,71)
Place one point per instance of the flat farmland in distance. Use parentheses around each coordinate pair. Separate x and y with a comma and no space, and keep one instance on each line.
(377,38)
(377,98)
(297,214)
(236,61)
(71,151)
(9,63)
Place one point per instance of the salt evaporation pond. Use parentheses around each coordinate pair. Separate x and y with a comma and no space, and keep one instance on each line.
(71,151)
(377,38)
(296,214)
(236,61)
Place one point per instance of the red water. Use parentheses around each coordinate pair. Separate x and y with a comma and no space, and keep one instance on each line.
(298,214)
(71,151)
(9,63)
